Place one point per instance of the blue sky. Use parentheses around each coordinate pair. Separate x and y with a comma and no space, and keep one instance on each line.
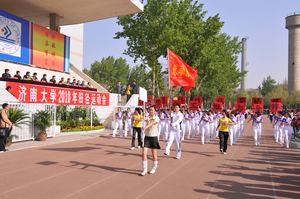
(261,21)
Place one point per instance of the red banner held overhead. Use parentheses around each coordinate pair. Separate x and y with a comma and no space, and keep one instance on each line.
(149,100)
(31,93)
(193,105)
(240,107)
(180,73)
(158,102)
(275,107)
(182,99)
(217,106)
(257,100)
(165,101)
(220,98)
(257,108)
(276,100)
(140,103)
(241,100)
(199,99)
(175,102)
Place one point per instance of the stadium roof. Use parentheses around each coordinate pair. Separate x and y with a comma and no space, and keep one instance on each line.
(70,11)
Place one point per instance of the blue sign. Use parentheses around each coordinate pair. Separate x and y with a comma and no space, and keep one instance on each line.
(14,38)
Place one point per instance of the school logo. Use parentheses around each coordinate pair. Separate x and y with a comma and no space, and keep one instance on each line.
(10,37)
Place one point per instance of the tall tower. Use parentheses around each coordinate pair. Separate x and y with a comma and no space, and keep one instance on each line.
(293,25)
(244,63)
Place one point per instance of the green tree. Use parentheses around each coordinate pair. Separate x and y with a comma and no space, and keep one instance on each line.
(268,84)
(183,27)
(109,71)
(141,76)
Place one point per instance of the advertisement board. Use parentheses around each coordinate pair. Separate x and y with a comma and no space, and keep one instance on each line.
(14,38)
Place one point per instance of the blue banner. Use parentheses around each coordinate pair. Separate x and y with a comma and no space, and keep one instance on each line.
(14,38)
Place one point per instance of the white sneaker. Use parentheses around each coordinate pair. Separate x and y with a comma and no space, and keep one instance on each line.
(139,147)
(132,148)
(153,170)
(224,153)
(145,168)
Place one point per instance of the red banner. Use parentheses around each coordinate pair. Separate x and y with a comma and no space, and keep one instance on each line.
(165,100)
(241,100)
(194,105)
(175,102)
(182,99)
(277,100)
(180,73)
(220,98)
(199,99)
(257,108)
(257,100)
(158,102)
(217,106)
(37,94)
(149,100)
(275,107)
(240,107)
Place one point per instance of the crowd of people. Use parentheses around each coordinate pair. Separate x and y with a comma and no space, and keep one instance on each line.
(34,77)
(150,126)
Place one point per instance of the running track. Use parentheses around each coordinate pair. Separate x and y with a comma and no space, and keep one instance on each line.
(105,168)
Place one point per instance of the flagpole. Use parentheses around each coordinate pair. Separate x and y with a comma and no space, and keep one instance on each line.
(170,88)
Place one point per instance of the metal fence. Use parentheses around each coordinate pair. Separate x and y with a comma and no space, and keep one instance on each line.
(28,132)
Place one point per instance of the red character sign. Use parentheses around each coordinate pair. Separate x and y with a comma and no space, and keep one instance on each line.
(275,107)
(257,108)
(257,100)
(158,102)
(182,99)
(241,99)
(194,105)
(217,106)
(220,98)
(199,99)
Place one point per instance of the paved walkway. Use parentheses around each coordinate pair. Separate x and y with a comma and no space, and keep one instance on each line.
(104,167)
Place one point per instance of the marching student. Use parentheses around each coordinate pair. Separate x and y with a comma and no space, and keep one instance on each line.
(257,120)
(232,129)
(137,119)
(151,141)
(276,125)
(286,129)
(128,116)
(118,122)
(186,127)
(176,118)
(204,123)
(223,128)
(162,126)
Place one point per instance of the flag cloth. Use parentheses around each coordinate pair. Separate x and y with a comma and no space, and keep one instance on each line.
(180,73)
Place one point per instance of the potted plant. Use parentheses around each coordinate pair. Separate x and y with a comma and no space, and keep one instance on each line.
(42,121)
(18,117)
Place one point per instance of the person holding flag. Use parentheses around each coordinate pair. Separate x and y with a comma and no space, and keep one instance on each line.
(176,118)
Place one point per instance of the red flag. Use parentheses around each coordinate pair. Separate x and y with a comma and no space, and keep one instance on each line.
(180,73)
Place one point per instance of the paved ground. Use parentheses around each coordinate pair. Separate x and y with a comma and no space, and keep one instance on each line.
(103,167)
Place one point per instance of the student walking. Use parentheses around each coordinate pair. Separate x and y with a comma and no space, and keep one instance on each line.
(176,118)
(257,128)
(223,128)
(137,119)
(118,122)
(151,141)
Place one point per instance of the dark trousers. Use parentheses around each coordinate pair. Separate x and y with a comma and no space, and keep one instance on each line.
(137,131)
(3,140)
(223,140)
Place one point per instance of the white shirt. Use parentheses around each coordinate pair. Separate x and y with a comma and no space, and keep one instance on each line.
(176,118)
(153,130)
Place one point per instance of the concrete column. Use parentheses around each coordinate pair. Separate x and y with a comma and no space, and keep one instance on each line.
(54,22)
(293,26)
